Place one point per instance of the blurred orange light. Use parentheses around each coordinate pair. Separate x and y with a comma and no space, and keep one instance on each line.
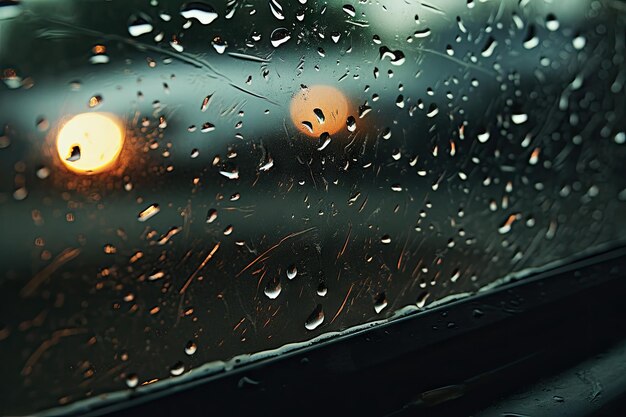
(318,109)
(90,143)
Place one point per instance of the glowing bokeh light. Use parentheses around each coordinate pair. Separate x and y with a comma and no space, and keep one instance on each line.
(306,106)
(90,143)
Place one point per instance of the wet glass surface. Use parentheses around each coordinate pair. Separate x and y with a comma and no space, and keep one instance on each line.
(185,184)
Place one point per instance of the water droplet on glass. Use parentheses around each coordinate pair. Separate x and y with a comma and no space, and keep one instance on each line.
(519,118)
(325,139)
(277,10)
(322,289)
(211,216)
(231,175)
(10,9)
(552,23)
(349,10)
(351,124)
(363,110)
(272,289)
(177,369)
(315,319)
(490,46)
(150,211)
(483,137)
(400,101)
(190,348)
(200,11)
(292,271)
(156,276)
(74,154)
(421,300)
(205,102)
(132,381)
(396,57)
(380,303)
(279,36)
(433,110)
(531,40)
(320,115)
(579,42)
(219,44)
(95,101)
(424,33)
(139,24)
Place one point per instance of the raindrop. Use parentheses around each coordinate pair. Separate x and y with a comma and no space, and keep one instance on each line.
(552,24)
(132,381)
(322,289)
(207,127)
(272,289)
(325,139)
(202,12)
(95,101)
(385,240)
(363,110)
(421,300)
(531,40)
(292,271)
(308,125)
(177,369)
(74,154)
(490,46)
(43,173)
(190,348)
(150,211)
(139,24)
(579,42)
(205,102)
(433,110)
(320,115)
(156,276)
(10,9)
(351,124)
(519,119)
(483,137)
(396,57)
(219,45)
(277,10)
(349,10)
(211,216)
(231,175)
(279,36)
(424,33)
(380,303)
(315,319)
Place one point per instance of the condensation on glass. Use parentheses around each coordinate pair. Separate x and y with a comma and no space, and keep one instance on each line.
(187,184)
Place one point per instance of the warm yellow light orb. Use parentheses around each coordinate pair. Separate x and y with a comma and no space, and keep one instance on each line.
(90,143)
(318,109)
